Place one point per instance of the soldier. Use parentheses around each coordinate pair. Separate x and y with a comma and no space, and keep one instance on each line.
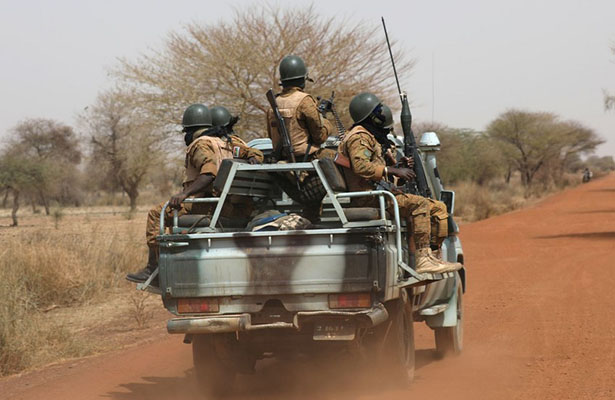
(207,146)
(306,126)
(362,145)
(438,212)
(307,129)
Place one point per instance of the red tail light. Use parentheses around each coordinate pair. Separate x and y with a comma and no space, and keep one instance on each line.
(198,305)
(350,300)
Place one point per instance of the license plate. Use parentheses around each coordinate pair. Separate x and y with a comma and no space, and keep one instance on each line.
(334,330)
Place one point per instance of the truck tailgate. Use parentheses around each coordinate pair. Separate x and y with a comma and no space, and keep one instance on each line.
(270,263)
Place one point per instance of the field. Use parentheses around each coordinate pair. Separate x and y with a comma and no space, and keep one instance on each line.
(62,287)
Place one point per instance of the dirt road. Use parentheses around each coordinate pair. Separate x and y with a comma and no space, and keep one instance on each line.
(539,324)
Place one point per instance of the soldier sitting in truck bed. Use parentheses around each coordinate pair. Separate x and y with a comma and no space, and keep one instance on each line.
(438,212)
(207,146)
(362,146)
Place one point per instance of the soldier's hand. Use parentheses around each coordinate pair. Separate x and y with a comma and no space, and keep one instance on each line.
(176,200)
(253,160)
(403,173)
(409,161)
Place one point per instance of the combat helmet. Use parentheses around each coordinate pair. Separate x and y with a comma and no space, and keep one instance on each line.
(196,115)
(292,68)
(220,116)
(363,105)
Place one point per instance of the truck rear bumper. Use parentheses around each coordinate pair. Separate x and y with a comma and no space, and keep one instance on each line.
(243,322)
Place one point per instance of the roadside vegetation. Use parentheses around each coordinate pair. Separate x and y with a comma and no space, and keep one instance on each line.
(45,270)
(125,152)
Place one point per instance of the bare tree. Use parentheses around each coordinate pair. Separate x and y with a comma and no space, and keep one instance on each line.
(52,145)
(234,63)
(532,140)
(124,144)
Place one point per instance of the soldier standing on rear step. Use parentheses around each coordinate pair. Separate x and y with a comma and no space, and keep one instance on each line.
(207,146)
(307,128)
(362,145)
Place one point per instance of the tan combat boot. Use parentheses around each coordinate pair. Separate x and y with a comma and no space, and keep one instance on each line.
(427,263)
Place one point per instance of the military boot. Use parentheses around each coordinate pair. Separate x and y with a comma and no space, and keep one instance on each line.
(144,274)
(427,263)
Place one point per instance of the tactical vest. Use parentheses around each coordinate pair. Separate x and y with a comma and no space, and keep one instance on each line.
(222,150)
(354,182)
(298,134)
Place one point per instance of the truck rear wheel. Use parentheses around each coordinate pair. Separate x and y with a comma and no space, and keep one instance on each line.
(398,346)
(213,375)
(449,340)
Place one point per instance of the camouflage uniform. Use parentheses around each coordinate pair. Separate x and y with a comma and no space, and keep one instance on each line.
(368,166)
(204,156)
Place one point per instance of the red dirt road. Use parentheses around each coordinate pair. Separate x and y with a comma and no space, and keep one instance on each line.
(539,324)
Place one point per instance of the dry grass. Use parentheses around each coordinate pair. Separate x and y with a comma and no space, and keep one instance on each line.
(43,268)
(474,202)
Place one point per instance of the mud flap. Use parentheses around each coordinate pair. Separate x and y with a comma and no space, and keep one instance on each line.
(449,316)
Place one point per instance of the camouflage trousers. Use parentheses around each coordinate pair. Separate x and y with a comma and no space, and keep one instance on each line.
(236,206)
(439,222)
(416,209)
(428,216)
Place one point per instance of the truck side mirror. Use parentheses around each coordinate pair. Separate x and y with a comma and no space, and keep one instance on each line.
(448,197)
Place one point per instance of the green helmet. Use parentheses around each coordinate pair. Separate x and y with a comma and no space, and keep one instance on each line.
(388,117)
(362,105)
(220,116)
(292,67)
(196,115)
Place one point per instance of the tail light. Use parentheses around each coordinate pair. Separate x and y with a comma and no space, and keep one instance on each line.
(350,300)
(198,305)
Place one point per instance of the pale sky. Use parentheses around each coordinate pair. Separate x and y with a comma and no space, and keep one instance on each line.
(488,56)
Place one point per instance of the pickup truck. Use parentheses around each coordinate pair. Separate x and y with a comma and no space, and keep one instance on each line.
(347,283)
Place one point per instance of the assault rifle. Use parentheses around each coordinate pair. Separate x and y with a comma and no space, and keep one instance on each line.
(419,184)
(287,146)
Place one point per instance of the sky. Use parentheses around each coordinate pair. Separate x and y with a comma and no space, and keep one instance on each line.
(475,59)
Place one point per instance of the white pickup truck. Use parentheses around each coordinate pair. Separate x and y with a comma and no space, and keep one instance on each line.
(347,283)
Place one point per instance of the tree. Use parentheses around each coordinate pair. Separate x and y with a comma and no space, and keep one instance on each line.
(125,145)
(465,155)
(54,146)
(605,163)
(17,175)
(532,140)
(235,63)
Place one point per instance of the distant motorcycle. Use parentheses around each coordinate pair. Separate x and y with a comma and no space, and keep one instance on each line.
(587,175)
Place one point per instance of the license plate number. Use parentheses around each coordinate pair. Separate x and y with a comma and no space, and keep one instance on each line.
(334,330)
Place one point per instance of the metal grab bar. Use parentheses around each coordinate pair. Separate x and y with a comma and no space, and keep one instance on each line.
(175,215)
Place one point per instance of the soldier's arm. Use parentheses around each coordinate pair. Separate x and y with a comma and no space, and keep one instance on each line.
(246,152)
(201,157)
(318,127)
(360,152)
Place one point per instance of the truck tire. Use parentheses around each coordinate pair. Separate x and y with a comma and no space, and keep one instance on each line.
(398,346)
(449,340)
(213,376)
